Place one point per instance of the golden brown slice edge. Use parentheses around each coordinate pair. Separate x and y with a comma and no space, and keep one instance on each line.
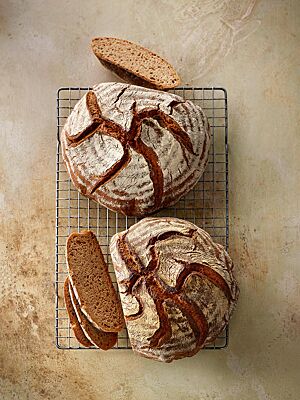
(135,64)
(92,283)
(101,339)
(78,331)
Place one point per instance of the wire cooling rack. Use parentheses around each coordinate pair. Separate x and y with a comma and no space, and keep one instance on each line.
(206,205)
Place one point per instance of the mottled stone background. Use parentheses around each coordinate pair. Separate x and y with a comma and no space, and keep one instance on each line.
(249,47)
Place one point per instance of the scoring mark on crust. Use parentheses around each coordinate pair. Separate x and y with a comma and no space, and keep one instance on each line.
(132,139)
(161,292)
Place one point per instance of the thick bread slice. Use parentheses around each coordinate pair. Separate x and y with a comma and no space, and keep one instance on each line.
(91,282)
(78,331)
(101,339)
(134,63)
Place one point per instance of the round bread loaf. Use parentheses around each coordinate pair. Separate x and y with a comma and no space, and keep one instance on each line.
(176,285)
(135,150)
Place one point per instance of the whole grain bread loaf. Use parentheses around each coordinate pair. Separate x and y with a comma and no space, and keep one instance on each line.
(135,150)
(176,285)
(101,339)
(91,282)
(134,63)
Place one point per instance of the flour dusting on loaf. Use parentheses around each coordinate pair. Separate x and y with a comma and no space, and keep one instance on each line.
(135,150)
(176,285)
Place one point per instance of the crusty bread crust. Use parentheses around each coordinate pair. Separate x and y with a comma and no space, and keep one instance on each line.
(135,63)
(176,285)
(135,150)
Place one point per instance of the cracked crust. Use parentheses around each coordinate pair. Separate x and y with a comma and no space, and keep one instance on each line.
(135,150)
(176,286)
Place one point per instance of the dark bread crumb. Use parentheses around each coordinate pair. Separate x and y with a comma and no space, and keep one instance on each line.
(101,339)
(91,282)
(135,64)
(78,331)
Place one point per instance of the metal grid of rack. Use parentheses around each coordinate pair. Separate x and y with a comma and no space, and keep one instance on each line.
(206,205)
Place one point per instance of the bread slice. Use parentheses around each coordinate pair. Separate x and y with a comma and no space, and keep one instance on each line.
(78,331)
(134,63)
(91,282)
(101,339)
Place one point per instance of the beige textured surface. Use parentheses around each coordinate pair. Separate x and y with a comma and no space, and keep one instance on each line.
(254,53)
